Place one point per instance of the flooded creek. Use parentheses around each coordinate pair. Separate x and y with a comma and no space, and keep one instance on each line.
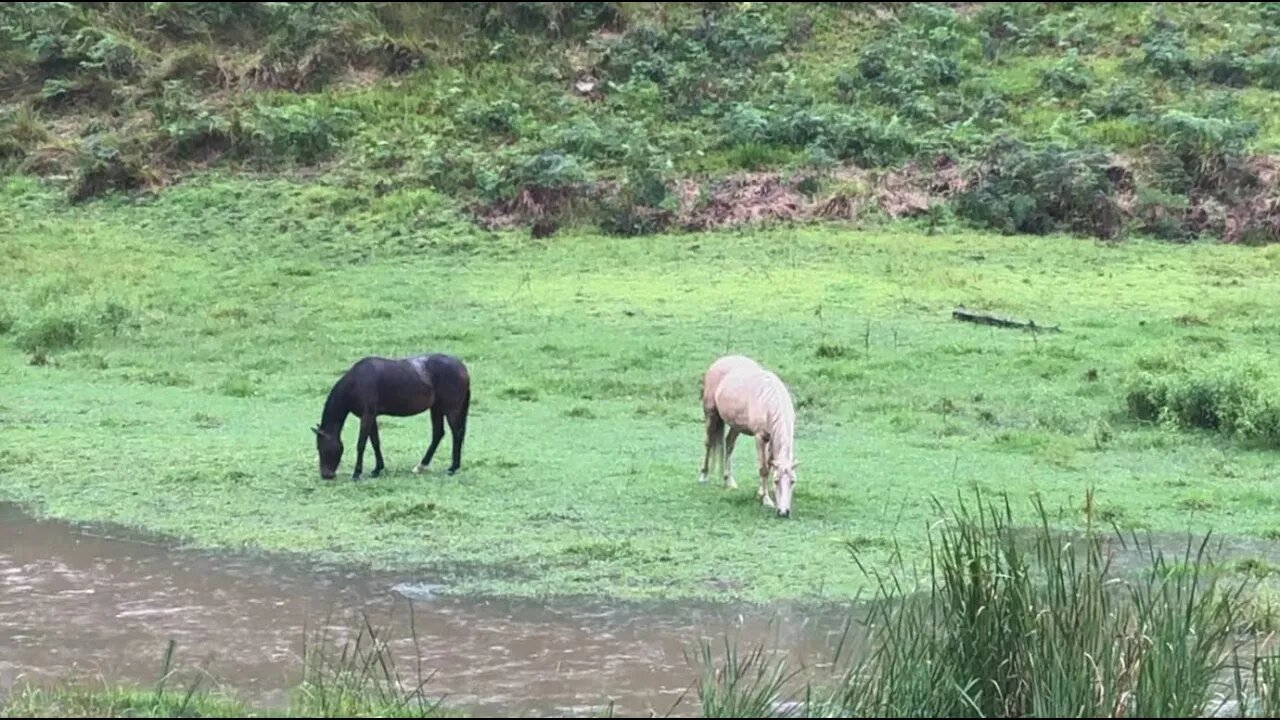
(86,603)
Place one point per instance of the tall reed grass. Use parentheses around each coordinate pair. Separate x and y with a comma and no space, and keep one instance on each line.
(1009,621)
(361,678)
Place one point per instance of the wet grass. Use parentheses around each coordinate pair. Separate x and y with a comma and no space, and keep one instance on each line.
(210,322)
(113,703)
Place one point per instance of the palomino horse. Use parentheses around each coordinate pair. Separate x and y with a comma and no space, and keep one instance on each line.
(751,401)
(379,386)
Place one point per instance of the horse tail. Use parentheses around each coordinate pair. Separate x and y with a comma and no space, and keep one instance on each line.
(715,436)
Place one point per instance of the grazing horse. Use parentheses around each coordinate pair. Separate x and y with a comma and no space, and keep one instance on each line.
(376,386)
(737,392)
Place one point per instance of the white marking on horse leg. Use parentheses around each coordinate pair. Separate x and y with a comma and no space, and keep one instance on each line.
(418,468)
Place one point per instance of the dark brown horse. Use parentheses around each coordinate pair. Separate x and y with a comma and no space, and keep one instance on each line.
(380,386)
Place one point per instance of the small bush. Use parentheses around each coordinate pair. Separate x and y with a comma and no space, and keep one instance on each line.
(643,203)
(104,164)
(1041,189)
(1002,28)
(1123,99)
(1227,68)
(62,41)
(305,132)
(1265,70)
(1164,51)
(1236,397)
(194,65)
(1068,77)
(238,386)
(192,20)
(693,64)
(51,333)
(910,64)
(1202,153)
(1163,215)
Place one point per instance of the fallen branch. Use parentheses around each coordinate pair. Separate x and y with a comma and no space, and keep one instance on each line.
(984,319)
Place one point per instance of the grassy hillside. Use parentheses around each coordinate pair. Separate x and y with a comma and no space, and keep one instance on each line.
(1097,119)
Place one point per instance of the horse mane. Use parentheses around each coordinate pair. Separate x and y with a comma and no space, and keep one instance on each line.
(334,415)
(780,412)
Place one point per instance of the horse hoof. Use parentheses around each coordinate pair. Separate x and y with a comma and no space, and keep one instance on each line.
(419,468)
(355,477)
(702,479)
(375,473)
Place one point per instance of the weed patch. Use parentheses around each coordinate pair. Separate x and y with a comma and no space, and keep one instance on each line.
(1234,396)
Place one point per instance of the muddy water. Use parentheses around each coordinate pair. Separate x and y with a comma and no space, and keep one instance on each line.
(86,603)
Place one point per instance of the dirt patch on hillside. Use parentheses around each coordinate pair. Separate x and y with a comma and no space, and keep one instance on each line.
(744,199)
(852,194)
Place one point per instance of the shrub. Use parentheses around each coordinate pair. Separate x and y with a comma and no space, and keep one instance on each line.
(61,41)
(1068,77)
(1164,51)
(52,332)
(922,57)
(1162,215)
(1233,396)
(1228,68)
(1265,70)
(105,163)
(642,203)
(1041,189)
(188,20)
(304,132)
(705,62)
(1202,153)
(1123,99)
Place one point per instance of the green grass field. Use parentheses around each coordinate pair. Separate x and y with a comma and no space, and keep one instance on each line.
(164,360)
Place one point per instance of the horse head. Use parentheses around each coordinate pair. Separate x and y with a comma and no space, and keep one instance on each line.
(786,482)
(329,447)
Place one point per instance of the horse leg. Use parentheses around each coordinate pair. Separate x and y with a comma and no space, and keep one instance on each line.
(367,425)
(762,457)
(715,430)
(458,432)
(728,452)
(437,434)
(379,466)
